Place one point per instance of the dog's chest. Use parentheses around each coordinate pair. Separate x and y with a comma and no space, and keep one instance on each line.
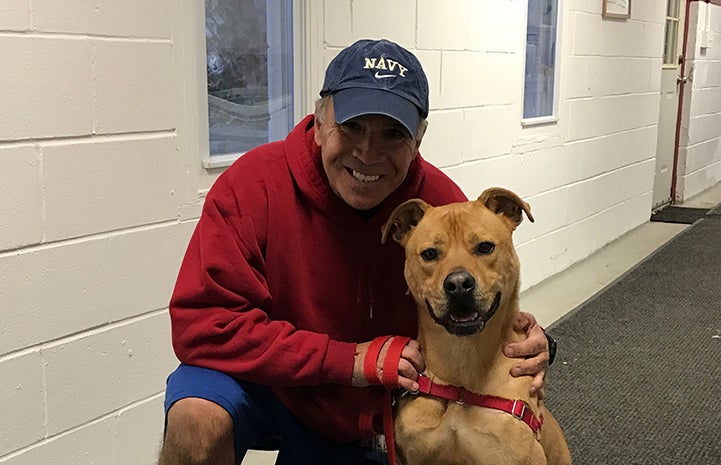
(430,431)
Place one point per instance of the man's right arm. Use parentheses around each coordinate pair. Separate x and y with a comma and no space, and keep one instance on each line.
(218,311)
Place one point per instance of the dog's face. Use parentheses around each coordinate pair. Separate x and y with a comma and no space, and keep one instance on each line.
(460,260)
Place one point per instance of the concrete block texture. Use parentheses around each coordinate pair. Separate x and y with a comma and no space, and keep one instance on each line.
(497,31)
(607,153)
(47,293)
(126,182)
(129,18)
(21,206)
(703,155)
(705,101)
(34,106)
(22,409)
(97,373)
(462,82)
(15,15)
(433,20)
(548,254)
(376,19)
(140,430)
(599,117)
(338,31)
(486,131)
(586,33)
(134,87)
(698,181)
(131,435)
(471,79)
(705,128)
(597,194)
(617,76)
(707,74)
(91,444)
(580,86)
(443,143)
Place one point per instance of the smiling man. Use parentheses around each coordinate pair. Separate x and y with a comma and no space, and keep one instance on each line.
(365,158)
(285,288)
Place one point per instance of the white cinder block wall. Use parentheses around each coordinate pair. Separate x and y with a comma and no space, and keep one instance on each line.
(700,146)
(89,232)
(101,180)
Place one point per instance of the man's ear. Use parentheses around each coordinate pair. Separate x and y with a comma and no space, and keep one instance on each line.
(506,203)
(404,218)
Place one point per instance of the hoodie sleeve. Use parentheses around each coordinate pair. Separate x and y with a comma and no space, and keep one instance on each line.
(220,304)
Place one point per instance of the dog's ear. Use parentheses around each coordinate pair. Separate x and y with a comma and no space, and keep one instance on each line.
(506,203)
(403,219)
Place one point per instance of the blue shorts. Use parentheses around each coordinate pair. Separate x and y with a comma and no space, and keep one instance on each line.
(261,421)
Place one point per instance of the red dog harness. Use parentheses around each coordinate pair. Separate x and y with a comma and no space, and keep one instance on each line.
(517,408)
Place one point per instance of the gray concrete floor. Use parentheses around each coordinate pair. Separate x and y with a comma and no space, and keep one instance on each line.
(558,295)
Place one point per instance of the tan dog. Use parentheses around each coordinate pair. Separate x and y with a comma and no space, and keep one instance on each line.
(463,271)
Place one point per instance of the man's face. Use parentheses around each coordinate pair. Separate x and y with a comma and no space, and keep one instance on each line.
(366,158)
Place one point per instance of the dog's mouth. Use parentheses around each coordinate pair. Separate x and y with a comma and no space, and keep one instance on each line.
(464,319)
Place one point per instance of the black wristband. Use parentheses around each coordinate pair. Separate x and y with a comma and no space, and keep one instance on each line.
(552,345)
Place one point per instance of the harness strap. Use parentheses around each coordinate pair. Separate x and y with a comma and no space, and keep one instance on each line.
(518,408)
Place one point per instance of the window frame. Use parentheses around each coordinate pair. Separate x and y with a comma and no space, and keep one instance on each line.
(307,59)
(677,22)
(554,116)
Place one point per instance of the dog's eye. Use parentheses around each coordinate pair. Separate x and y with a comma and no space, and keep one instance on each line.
(429,255)
(484,248)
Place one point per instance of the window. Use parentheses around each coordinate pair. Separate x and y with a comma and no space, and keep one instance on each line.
(540,73)
(249,51)
(670,47)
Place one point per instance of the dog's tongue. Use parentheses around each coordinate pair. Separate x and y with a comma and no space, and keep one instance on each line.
(463,318)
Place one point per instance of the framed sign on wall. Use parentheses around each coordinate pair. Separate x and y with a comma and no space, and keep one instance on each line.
(617,9)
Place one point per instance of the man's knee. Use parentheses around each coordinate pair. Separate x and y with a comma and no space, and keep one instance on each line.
(198,431)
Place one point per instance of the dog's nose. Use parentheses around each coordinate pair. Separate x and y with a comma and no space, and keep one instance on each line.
(459,283)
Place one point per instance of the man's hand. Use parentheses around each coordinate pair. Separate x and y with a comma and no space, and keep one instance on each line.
(534,349)
(410,365)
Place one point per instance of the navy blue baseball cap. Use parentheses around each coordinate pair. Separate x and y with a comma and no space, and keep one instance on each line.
(377,77)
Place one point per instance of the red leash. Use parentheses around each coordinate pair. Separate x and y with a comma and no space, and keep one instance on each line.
(389,378)
(388,428)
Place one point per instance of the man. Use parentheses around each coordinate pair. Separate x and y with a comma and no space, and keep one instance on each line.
(285,280)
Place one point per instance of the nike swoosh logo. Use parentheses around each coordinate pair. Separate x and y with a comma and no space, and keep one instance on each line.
(381,76)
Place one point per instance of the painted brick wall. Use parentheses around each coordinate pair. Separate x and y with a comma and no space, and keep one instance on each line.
(89,237)
(700,147)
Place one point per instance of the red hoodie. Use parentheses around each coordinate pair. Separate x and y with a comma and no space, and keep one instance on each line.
(281,279)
